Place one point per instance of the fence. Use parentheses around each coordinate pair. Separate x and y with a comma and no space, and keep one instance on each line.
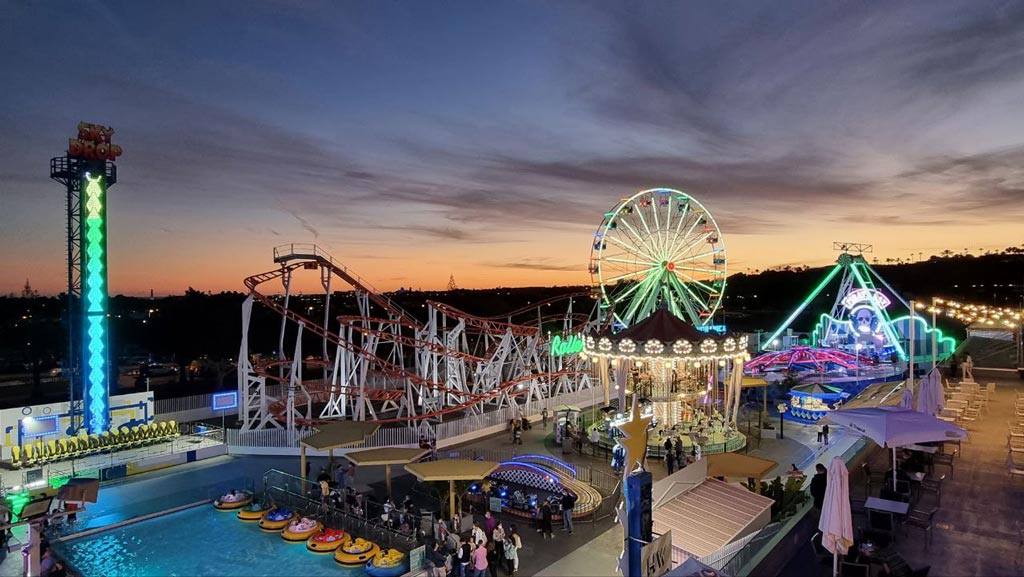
(386,526)
(446,432)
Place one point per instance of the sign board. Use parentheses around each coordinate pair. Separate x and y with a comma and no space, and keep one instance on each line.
(656,556)
(224,401)
(416,558)
(494,504)
(570,345)
(93,143)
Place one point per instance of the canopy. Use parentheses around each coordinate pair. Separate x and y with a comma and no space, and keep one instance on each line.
(386,456)
(836,523)
(662,326)
(816,389)
(738,466)
(452,470)
(895,427)
(340,434)
(754,382)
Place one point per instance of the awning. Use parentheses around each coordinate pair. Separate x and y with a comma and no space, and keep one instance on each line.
(386,456)
(340,434)
(754,382)
(738,466)
(452,470)
(79,490)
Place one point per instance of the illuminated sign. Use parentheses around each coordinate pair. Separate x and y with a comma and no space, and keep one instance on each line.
(863,296)
(93,143)
(570,345)
(720,329)
(94,297)
(224,401)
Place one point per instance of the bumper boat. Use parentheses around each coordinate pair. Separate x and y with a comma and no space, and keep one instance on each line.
(301,529)
(388,563)
(232,501)
(327,540)
(253,511)
(276,520)
(356,553)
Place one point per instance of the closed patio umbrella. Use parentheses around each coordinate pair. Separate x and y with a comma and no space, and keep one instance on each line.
(930,399)
(907,400)
(836,523)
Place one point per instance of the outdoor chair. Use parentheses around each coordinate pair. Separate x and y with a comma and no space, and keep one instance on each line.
(1015,430)
(1013,468)
(921,520)
(857,507)
(1016,445)
(933,486)
(820,552)
(847,569)
(871,478)
(881,521)
(990,390)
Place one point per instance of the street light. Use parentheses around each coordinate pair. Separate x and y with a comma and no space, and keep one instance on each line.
(782,412)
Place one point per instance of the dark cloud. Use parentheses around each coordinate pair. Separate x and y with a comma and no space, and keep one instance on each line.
(545,264)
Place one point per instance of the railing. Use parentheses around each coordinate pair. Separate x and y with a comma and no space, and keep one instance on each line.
(367,518)
(404,435)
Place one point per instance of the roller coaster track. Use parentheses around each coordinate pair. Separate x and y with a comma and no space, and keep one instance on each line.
(320,392)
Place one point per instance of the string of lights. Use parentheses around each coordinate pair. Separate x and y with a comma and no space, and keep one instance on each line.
(969,313)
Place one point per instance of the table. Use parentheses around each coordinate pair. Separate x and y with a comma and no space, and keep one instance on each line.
(897,507)
(922,448)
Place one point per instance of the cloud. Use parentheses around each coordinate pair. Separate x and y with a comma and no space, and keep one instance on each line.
(305,223)
(540,263)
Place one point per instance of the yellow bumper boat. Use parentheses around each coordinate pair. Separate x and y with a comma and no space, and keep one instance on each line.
(233,500)
(276,520)
(253,511)
(301,529)
(356,553)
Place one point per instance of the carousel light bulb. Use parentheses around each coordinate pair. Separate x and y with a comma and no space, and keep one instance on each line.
(721,363)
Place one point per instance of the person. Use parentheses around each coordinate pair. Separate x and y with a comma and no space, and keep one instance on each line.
(818,484)
(489,524)
(544,417)
(679,451)
(512,546)
(323,476)
(517,436)
(954,366)
(498,537)
(668,446)
(494,555)
(435,561)
(479,559)
(670,462)
(339,477)
(824,434)
(568,502)
(968,367)
(478,533)
(309,466)
(546,530)
(465,550)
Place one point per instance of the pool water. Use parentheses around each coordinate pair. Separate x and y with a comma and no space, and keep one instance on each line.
(196,541)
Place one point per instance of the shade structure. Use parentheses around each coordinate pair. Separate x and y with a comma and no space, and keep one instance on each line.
(930,399)
(567,409)
(739,466)
(895,427)
(836,522)
(452,470)
(386,456)
(907,399)
(335,435)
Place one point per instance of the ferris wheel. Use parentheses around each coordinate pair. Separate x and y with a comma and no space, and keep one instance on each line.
(659,246)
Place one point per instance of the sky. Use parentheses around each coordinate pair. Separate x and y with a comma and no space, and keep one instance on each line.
(416,141)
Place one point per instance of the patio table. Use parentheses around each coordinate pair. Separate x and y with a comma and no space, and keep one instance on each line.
(922,448)
(897,507)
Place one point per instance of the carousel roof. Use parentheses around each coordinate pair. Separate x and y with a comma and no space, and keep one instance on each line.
(662,326)
(806,356)
(663,335)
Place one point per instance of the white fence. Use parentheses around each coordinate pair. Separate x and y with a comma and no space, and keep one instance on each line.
(447,433)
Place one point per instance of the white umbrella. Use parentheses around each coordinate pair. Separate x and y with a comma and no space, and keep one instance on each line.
(836,523)
(907,400)
(895,427)
(930,399)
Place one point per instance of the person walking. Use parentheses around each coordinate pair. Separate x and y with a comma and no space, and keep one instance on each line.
(478,533)
(494,557)
(824,434)
(668,446)
(818,485)
(670,462)
(489,524)
(465,550)
(568,502)
(512,546)
(968,367)
(498,538)
(544,417)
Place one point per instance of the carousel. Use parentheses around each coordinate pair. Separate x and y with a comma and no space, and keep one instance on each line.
(688,380)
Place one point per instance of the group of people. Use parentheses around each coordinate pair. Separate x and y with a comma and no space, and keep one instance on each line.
(482,551)
(675,459)
(516,428)
(967,367)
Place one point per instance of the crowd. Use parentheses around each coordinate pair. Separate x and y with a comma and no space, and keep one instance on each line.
(482,551)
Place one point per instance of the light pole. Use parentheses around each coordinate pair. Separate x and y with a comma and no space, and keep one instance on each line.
(856,350)
(782,420)
(935,350)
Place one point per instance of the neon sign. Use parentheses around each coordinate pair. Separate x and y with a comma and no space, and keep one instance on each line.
(864,296)
(570,345)
(94,293)
(93,143)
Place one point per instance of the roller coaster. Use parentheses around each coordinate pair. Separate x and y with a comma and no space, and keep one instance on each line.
(384,365)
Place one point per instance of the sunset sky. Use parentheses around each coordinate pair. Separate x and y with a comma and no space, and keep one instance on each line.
(417,140)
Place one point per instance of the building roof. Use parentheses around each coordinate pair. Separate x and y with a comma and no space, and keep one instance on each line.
(386,456)
(738,466)
(710,516)
(452,470)
(340,434)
